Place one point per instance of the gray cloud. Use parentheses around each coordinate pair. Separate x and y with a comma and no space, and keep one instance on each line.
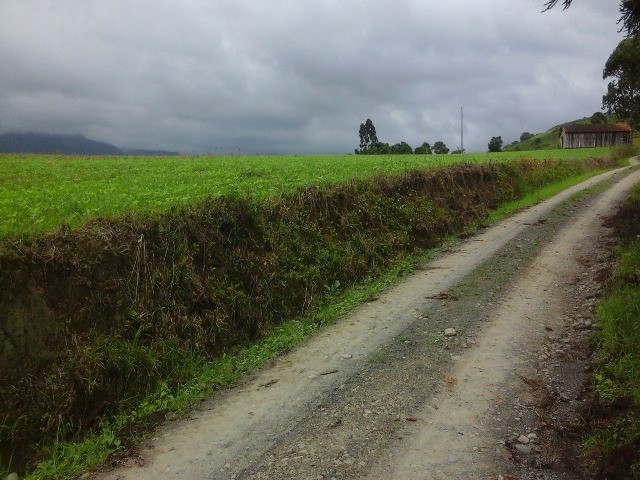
(296,77)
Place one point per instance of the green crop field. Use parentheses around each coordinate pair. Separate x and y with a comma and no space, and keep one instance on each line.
(40,192)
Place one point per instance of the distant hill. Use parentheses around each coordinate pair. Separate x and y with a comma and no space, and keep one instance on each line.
(551,138)
(46,143)
(148,153)
(65,144)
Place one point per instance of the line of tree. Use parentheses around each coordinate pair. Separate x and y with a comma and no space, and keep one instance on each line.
(370,145)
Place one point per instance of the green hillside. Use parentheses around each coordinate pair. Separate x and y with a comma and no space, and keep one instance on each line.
(551,138)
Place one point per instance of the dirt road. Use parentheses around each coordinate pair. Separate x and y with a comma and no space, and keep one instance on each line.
(464,370)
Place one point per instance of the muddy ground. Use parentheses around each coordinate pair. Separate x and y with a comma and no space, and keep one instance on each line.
(473,367)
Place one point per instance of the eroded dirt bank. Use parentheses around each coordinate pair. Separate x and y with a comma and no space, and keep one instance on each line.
(386,394)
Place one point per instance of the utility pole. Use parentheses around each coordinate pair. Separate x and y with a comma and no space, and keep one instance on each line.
(461,132)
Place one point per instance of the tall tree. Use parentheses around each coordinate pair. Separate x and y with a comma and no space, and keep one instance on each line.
(402,148)
(367,135)
(440,148)
(525,136)
(623,93)
(495,144)
(629,14)
(424,149)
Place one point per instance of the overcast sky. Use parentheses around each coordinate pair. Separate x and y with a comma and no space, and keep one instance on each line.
(299,76)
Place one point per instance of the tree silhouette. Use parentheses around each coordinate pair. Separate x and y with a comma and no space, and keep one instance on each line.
(367,135)
(424,149)
(623,94)
(495,144)
(440,148)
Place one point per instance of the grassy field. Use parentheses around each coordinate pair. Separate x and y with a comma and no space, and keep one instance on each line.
(39,192)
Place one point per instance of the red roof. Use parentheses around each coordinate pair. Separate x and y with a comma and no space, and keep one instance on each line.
(591,128)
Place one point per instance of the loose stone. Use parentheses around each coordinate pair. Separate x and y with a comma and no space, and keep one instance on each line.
(524,439)
(526,449)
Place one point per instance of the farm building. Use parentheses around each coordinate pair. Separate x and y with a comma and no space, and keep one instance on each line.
(581,136)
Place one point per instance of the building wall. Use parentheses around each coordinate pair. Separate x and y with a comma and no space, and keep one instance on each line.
(600,139)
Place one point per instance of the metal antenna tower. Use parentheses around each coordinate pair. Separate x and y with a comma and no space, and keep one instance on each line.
(461,132)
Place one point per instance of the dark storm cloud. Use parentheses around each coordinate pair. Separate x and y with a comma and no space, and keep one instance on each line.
(285,76)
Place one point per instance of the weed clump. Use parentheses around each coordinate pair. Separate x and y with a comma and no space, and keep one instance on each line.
(621,153)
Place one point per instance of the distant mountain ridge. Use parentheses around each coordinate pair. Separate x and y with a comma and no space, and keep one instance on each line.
(65,144)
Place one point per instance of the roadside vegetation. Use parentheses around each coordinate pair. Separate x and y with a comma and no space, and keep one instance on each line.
(614,441)
(113,324)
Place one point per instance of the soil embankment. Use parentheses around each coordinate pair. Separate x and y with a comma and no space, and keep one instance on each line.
(392,392)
